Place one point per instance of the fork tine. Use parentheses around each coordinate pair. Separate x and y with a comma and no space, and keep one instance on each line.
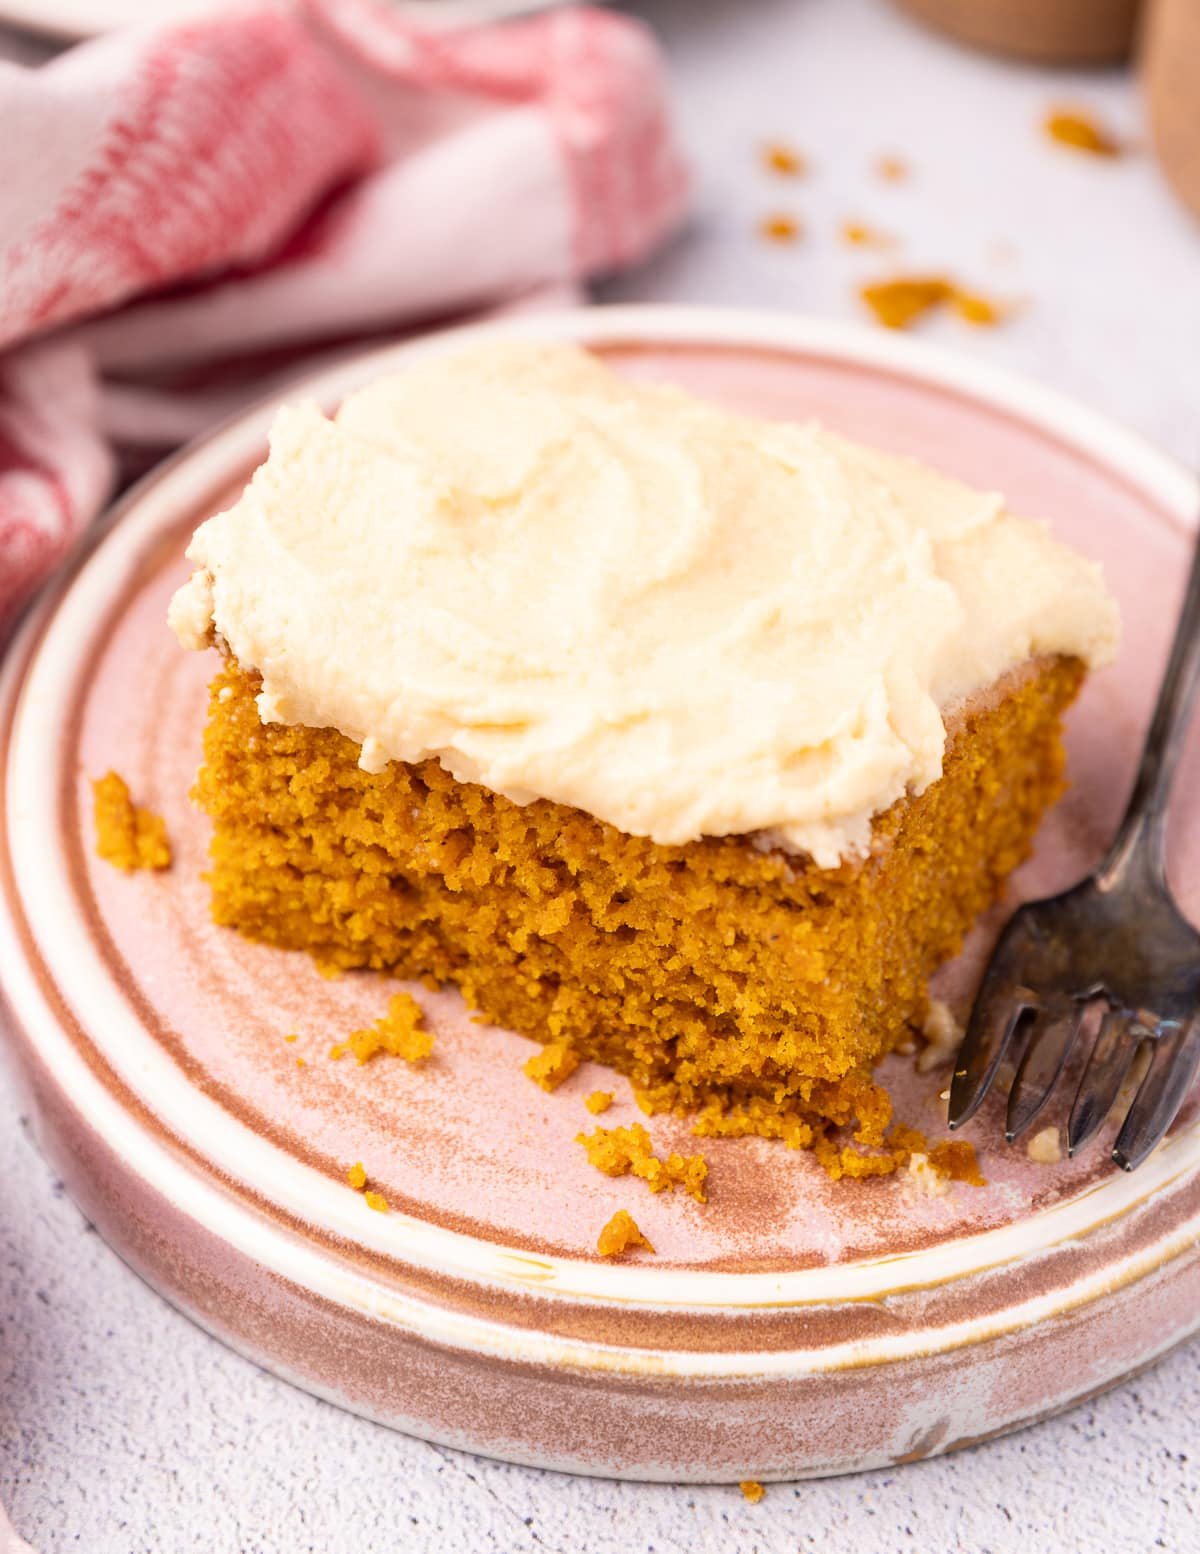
(1103,1077)
(997,1012)
(1162,1093)
(1050,1040)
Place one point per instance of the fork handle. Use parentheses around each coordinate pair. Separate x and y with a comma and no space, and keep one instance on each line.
(1141,839)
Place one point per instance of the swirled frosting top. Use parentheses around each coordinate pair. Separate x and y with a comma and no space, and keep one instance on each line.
(686,622)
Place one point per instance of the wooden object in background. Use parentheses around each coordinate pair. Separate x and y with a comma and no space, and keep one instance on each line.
(1170,64)
(1054,32)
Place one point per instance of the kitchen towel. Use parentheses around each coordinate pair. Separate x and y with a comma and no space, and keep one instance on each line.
(187,211)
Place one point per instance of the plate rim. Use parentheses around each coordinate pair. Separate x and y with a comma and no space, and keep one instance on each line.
(1121,452)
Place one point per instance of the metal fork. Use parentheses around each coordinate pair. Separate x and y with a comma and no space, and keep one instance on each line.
(1119,937)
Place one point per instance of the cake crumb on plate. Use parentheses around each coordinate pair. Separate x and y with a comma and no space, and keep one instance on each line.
(752,1489)
(401,1031)
(553,1064)
(620,1235)
(599,1101)
(127,836)
(625,1151)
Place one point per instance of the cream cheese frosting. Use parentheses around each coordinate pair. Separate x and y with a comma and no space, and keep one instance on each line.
(687,622)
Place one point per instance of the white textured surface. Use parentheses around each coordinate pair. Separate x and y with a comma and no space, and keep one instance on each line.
(124,1429)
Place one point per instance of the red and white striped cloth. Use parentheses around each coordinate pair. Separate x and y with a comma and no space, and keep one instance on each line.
(184,209)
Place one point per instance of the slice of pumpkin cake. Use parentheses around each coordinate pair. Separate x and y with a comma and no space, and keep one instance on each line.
(694,741)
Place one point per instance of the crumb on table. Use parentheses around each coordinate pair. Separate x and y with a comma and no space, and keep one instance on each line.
(953,1159)
(783,160)
(400,1031)
(780,227)
(860,234)
(1080,131)
(127,836)
(975,309)
(357,1176)
(752,1489)
(900,302)
(599,1101)
(552,1064)
(376,1201)
(892,169)
(620,1235)
(625,1151)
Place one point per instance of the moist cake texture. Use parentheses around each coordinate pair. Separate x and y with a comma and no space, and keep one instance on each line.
(710,813)
(713,973)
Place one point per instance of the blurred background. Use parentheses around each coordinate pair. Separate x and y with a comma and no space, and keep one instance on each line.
(1096,256)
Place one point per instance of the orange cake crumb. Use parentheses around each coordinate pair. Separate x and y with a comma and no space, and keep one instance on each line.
(621,1234)
(126,835)
(956,1160)
(859,235)
(892,169)
(551,1064)
(779,227)
(1080,131)
(901,302)
(953,1159)
(400,1031)
(784,160)
(599,1101)
(292,1036)
(357,1176)
(376,1201)
(622,1151)
(977,310)
(752,1489)
(839,1160)
(906,1141)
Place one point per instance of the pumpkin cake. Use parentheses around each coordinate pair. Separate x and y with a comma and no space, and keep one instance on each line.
(682,741)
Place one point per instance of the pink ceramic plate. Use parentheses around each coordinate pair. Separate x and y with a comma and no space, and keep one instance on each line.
(791,1326)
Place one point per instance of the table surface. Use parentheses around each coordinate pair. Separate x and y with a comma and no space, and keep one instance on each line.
(124,1429)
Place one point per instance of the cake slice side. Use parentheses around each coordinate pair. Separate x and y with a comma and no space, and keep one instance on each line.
(717,974)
